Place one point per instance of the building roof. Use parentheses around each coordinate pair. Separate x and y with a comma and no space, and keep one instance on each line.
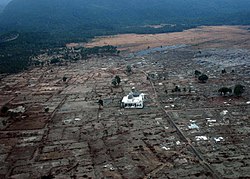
(133,98)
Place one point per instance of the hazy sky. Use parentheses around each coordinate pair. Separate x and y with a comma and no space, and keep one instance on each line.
(4,1)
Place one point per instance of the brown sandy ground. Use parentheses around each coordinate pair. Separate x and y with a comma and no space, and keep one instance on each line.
(202,37)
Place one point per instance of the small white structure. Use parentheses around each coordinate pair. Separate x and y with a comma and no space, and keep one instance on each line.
(133,100)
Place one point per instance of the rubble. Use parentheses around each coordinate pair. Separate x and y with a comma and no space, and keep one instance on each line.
(193,126)
(218,139)
(201,138)
(19,109)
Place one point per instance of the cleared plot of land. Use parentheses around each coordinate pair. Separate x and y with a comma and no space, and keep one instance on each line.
(212,36)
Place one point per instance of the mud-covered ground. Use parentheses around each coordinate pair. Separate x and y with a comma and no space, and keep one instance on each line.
(56,129)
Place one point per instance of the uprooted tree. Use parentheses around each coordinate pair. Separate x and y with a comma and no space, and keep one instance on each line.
(225,90)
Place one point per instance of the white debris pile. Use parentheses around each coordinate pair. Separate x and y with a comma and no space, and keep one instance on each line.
(158,121)
(224,57)
(193,126)
(68,121)
(19,109)
(170,100)
(218,139)
(109,166)
(211,122)
(29,139)
(181,161)
(198,138)
(165,148)
(224,112)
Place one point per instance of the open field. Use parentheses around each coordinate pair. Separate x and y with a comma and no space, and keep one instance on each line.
(202,37)
(58,131)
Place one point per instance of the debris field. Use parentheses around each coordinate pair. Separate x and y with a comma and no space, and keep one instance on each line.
(54,128)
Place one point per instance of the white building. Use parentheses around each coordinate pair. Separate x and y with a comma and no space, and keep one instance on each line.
(133,100)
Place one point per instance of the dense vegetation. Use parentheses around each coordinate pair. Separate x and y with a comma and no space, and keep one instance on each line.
(112,16)
(17,55)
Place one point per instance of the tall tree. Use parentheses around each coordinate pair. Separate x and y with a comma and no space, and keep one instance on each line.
(203,78)
(239,89)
